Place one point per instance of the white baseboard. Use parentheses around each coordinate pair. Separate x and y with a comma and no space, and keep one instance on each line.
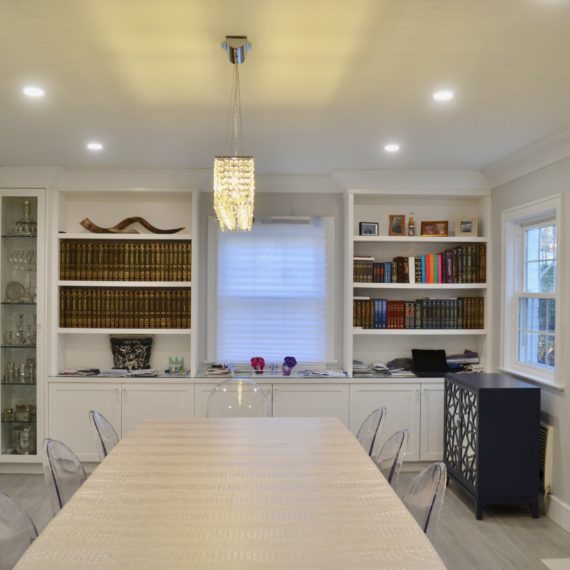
(559,512)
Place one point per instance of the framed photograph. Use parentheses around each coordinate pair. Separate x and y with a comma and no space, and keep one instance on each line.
(435,229)
(467,227)
(396,225)
(368,228)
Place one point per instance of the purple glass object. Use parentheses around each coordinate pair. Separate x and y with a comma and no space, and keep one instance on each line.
(289,362)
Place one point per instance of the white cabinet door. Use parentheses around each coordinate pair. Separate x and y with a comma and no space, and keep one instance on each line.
(431,445)
(311,400)
(68,416)
(149,401)
(402,402)
(203,391)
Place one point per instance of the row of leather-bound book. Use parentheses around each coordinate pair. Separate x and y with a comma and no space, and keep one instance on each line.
(125,308)
(455,313)
(108,260)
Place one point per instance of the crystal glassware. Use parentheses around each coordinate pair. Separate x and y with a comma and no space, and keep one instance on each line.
(26,226)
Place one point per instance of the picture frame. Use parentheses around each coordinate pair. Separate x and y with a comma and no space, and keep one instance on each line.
(396,225)
(368,228)
(435,228)
(467,227)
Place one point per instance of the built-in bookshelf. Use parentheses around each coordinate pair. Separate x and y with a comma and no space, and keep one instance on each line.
(109,284)
(411,291)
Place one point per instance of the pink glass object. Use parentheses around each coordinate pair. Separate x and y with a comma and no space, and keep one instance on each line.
(258,364)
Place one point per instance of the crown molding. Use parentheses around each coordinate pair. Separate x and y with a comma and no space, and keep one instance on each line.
(29,176)
(541,153)
(413,182)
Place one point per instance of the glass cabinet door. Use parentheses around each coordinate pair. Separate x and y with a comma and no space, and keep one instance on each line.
(18,353)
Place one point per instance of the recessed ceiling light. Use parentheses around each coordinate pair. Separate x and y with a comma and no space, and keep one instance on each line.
(444,95)
(93,145)
(392,147)
(33,91)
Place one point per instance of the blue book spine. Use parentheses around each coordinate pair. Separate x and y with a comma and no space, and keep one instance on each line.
(423,264)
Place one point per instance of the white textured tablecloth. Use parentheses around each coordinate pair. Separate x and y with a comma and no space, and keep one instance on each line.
(259,493)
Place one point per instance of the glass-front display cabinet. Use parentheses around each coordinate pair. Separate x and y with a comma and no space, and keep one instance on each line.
(22,250)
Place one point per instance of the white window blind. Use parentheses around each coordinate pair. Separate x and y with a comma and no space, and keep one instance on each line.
(273,292)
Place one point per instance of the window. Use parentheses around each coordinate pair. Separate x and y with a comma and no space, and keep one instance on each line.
(536,298)
(531,267)
(273,291)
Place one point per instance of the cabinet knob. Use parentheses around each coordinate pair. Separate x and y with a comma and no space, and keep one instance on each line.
(125,398)
(117,394)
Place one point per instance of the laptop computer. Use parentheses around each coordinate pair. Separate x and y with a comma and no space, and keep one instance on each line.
(429,363)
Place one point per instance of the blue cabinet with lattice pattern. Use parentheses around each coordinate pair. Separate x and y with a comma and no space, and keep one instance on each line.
(491,438)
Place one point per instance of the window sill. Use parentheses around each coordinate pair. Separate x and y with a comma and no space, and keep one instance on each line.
(533,378)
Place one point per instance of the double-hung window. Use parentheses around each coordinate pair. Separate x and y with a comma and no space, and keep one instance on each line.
(271,293)
(531,279)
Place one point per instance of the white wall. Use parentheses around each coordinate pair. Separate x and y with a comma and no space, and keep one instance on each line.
(553,179)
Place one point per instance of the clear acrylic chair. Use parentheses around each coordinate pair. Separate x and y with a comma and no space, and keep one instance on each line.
(238,398)
(17,532)
(424,498)
(370,432)
(63,472)
(389,459)
(104,433)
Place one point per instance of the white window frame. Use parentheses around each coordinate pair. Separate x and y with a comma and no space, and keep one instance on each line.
(514,222)
(332,302)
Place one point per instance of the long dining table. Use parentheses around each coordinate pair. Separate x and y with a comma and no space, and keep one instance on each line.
(235,493)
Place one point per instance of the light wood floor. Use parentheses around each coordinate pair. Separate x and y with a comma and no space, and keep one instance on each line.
(507,538)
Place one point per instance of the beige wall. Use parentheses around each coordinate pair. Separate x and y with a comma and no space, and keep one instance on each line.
(553,179)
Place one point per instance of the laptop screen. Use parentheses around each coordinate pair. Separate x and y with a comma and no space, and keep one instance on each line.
(429,360)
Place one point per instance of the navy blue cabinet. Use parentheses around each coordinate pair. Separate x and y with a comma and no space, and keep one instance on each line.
(491,438)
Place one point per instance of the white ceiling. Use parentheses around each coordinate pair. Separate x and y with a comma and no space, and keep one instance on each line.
(324,87)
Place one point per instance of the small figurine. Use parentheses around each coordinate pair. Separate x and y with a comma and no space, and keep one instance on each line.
(411,225)
(258,364)
(289,362)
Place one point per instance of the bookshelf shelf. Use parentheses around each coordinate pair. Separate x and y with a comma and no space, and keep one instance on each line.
(418,239)
(356,331)
(427,286)
(137,284)
(63,330)
(136,237)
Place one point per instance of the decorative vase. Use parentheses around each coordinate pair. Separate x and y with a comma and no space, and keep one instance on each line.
(131,353)
(289,362)
(258,364)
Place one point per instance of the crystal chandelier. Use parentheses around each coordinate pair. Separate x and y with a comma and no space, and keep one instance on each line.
(234,184)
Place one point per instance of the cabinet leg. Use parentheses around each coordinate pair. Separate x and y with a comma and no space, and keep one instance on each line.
(534,508)
(479,510)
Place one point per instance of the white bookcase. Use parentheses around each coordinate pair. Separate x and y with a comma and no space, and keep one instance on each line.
(371,345)
(164,208)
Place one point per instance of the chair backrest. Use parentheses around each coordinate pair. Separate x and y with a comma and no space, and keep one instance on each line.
(370,432)
(425,497)
(237,398)
(389,459)
(104,434)
(63,472)
(17,532)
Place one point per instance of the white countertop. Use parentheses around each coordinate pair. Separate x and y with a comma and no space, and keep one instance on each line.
(258,379)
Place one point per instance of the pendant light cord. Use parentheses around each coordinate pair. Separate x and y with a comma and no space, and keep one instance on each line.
(236,136)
